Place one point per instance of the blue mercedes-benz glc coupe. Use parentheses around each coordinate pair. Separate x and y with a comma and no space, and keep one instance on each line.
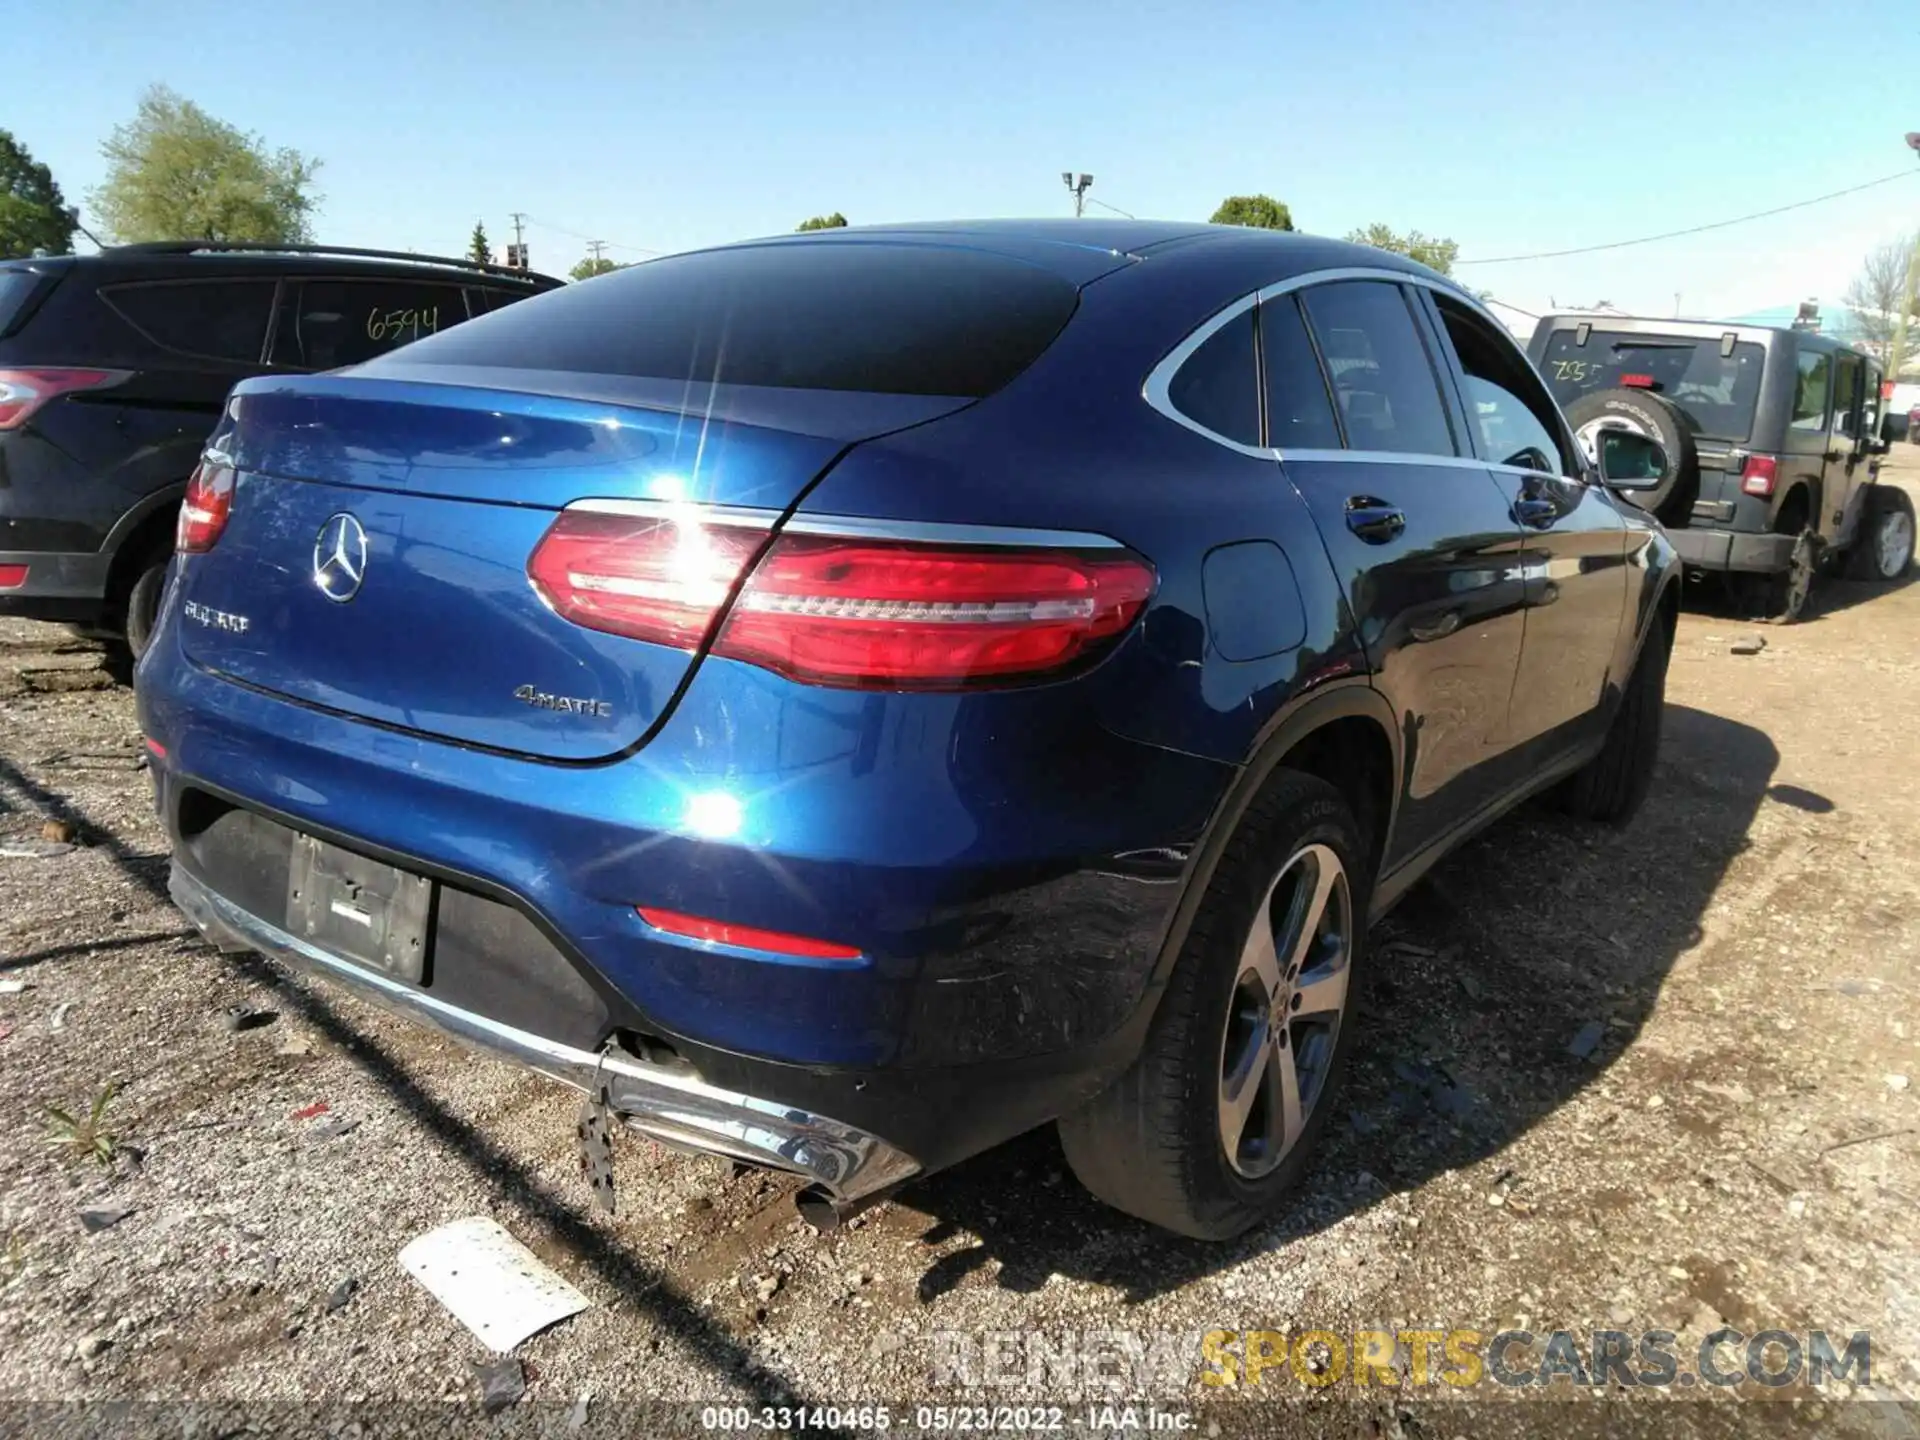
(843,700)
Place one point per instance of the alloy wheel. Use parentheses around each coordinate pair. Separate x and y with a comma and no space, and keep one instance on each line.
(1285,1012)
(1893,544)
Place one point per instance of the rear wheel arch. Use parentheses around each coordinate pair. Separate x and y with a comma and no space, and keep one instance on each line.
(1799,507)
(1345,735)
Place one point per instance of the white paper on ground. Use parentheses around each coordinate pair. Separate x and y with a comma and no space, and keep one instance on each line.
(490,1282)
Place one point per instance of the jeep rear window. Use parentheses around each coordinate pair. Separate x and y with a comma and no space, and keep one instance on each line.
(1717,392)
(895,319)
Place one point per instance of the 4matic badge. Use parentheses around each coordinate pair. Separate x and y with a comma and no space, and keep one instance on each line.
(566,704)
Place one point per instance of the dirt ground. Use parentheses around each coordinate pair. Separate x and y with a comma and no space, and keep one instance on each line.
(1739,1145)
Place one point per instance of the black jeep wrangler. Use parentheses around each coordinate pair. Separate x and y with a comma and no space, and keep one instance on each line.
(1773,440)
(113,371)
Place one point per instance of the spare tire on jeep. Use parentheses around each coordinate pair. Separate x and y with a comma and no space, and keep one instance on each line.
(1646,413)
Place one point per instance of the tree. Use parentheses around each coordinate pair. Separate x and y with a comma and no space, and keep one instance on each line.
(1262,212)
(174,172)
(835,221)
(1429,250)
(593,265)
(478,250)
(33,212)
(1876,295)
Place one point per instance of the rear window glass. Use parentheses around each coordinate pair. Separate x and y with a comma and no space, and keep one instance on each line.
(1717,392)
(218,319)
(15,287)
(325,324)
(900,319)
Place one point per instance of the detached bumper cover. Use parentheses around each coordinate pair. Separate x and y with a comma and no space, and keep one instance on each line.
(669,1105)
(1704,549)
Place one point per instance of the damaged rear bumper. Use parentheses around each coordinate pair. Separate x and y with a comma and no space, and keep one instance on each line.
(847,1165)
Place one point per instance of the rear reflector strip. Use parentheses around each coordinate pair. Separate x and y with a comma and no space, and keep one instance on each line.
(1638,382)
(12,577)
(156,749)
(744,937)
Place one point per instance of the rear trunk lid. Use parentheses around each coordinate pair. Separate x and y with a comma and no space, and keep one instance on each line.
(375,558)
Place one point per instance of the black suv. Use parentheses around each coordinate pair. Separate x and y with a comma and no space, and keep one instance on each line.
(1773,440)
(113,371)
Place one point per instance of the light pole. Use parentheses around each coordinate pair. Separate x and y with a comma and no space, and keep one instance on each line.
(1079,189)
(1897,352)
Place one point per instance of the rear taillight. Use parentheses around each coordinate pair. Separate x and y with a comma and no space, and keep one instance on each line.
(22,392)
(908,615)
(12,577)
(204,510)
(852,611)
(1759,475)
(1637,382)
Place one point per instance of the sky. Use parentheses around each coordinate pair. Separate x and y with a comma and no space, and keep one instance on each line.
(662,125)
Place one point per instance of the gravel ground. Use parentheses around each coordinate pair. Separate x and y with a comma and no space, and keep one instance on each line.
(1735,1141)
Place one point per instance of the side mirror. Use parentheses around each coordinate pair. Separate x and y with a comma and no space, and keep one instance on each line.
(1630,460)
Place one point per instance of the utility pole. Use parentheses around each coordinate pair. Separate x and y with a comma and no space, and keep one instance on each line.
(596,246)
(1079,190)
(1898,350)
(517,257)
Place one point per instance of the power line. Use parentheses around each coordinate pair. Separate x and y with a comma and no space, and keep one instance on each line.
(1695,229)
(582,235)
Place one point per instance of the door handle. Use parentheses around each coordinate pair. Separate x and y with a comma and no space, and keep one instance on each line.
(1535,513)
(1374,521)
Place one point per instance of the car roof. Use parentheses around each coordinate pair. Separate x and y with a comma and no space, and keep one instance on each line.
(1083,250)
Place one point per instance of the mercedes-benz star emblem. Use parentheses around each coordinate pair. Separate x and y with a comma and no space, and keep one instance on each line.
(340,557)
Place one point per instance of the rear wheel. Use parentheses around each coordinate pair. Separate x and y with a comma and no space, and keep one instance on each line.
(1883,550)
(1219,1114)
(143,600)
(1612,786)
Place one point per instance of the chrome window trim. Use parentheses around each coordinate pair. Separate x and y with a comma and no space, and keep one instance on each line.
(854,526)
(1380,457)
(1160,379)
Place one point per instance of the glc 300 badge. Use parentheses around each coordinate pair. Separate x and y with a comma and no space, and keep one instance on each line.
(216,619)
(565,704)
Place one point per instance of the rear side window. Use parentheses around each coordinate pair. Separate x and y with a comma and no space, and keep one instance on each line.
(486,301)
(214,319)
(325,324)
(1810,391)
(1846,394)
(15,287)
(1218,388)
(900,319)
(1384,383)
(1299,408)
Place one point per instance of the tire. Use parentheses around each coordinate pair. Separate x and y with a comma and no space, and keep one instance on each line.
(1883,550)
(1152,1144)
(142,610)
(1671,503)
(1611,787)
